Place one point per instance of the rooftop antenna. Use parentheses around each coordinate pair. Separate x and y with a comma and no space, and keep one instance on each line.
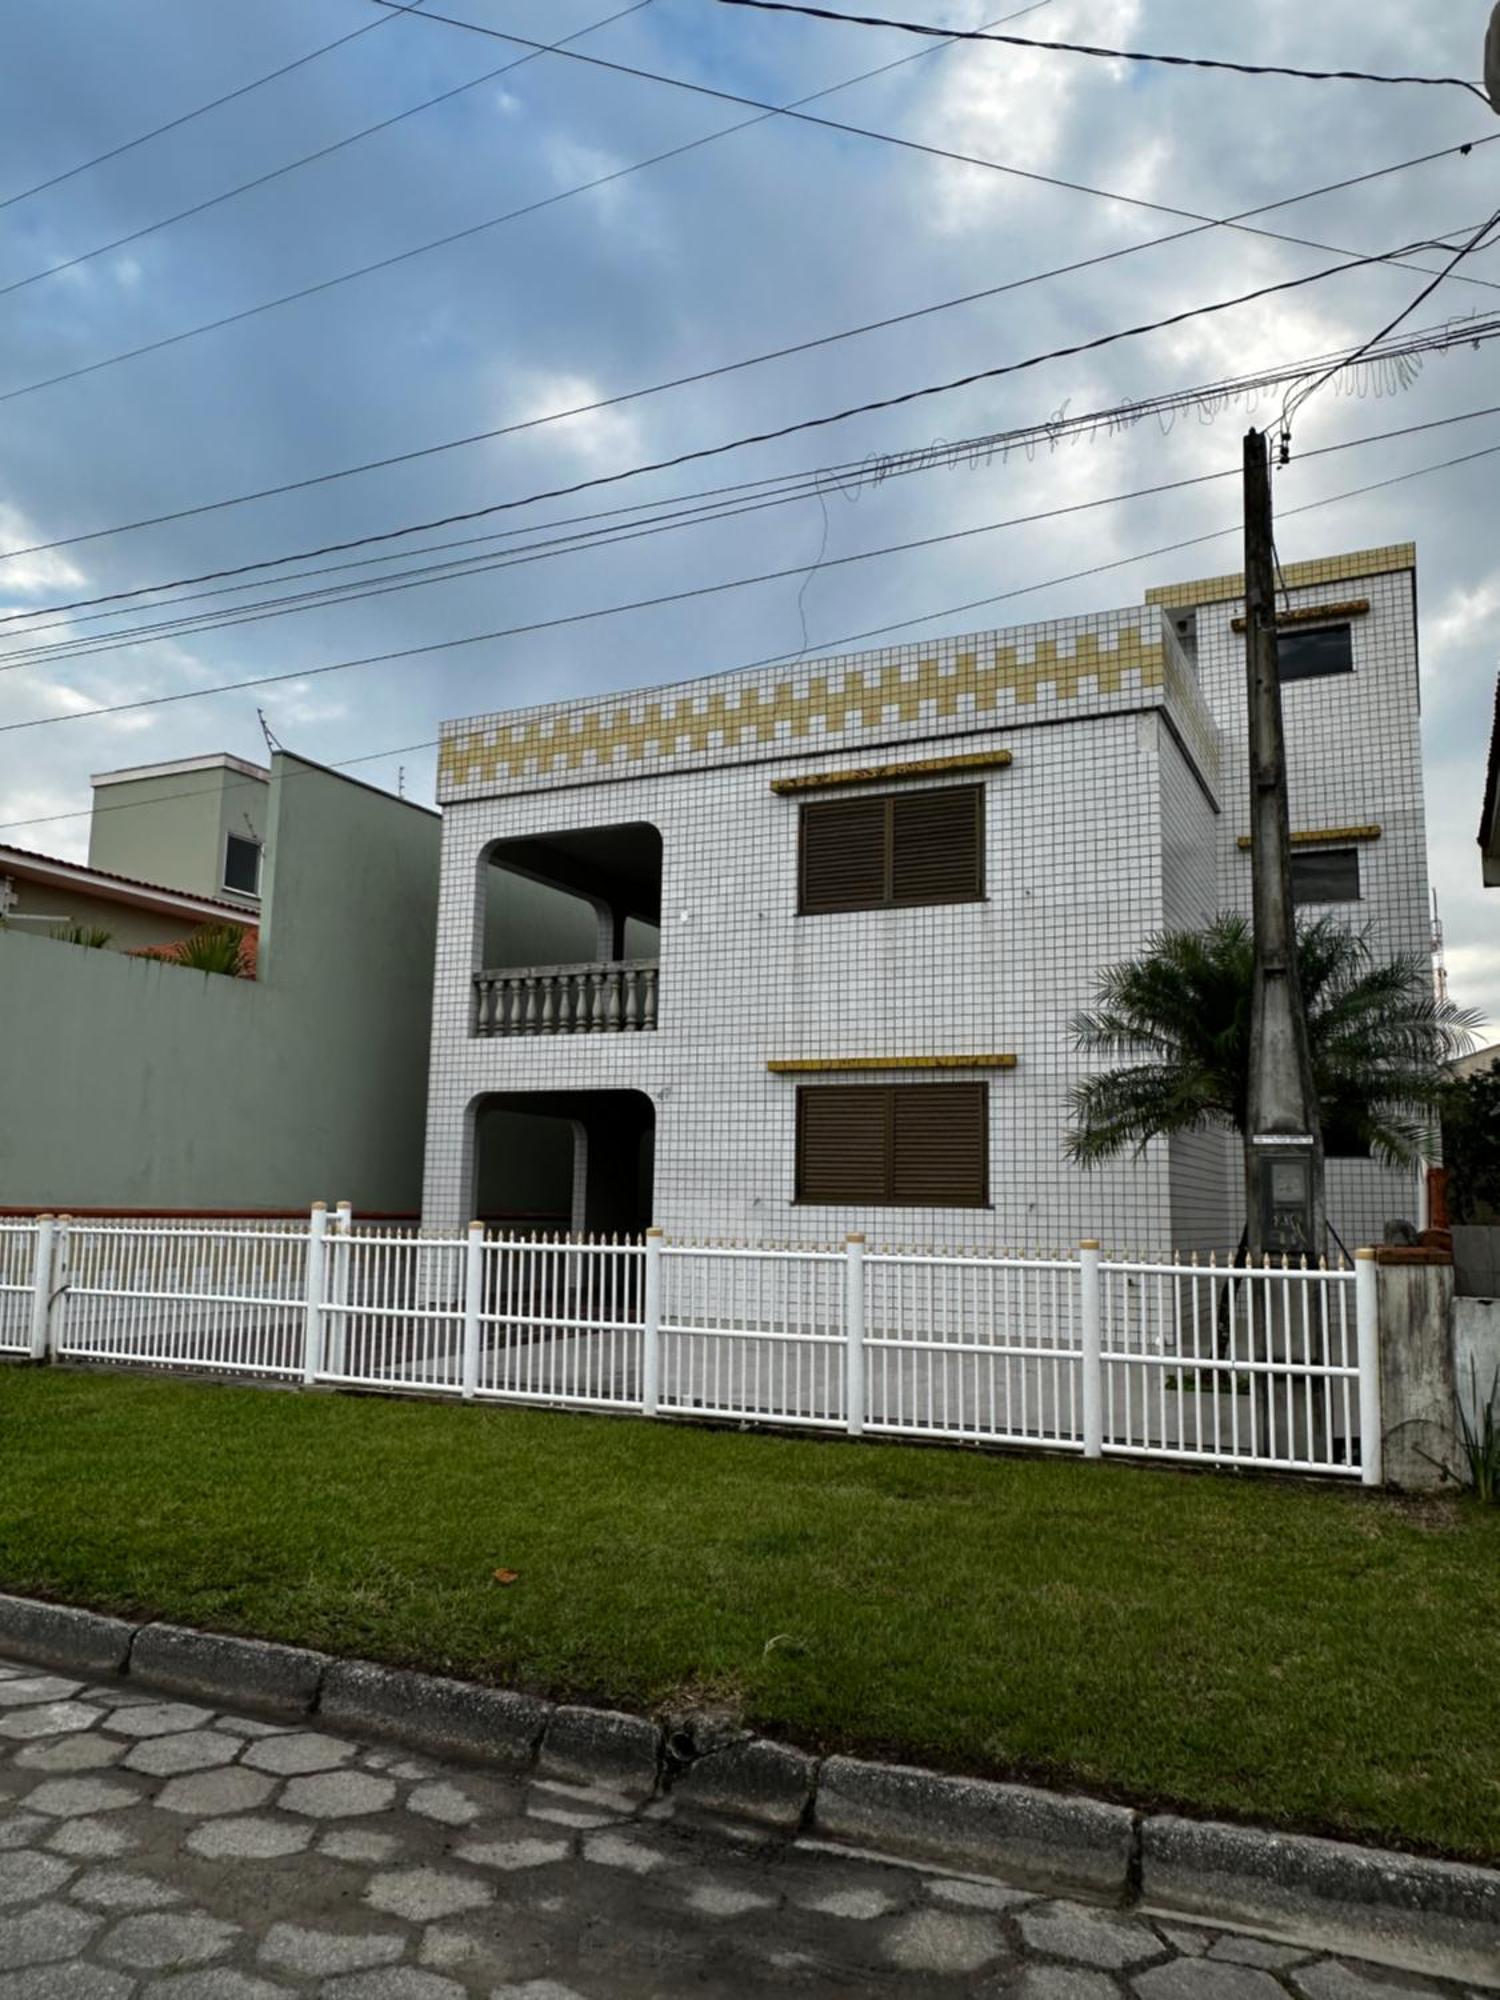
(273,742)
(400,781)
(1439,955)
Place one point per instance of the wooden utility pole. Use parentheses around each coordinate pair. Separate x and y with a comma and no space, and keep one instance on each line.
(1284,1208)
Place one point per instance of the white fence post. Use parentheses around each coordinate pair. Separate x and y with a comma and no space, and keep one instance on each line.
(41,1288)
(1092,1329)
(1367,1342)
(473,1297)
(57,1288)
(651,1326)
(338,1290)
(854,1331)
(312,1337)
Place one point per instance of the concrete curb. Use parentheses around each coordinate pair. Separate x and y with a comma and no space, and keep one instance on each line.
(1368,1902)
(1365,1901)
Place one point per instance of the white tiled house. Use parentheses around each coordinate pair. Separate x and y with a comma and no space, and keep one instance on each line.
(1010,812)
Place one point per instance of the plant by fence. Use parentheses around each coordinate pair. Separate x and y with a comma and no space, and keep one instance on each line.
(1273,1367)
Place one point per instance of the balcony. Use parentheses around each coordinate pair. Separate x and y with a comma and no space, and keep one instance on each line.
(617,997)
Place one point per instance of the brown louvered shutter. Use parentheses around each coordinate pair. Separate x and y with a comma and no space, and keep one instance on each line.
(843,856)
(936,846)
(940,1146)
(843,1144)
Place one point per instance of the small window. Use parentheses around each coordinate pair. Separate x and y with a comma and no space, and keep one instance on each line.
(897,852)
(1308,655)
(1325,875)
(242,865)
(894,1145)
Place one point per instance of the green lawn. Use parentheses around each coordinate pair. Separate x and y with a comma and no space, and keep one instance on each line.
(1316,1657)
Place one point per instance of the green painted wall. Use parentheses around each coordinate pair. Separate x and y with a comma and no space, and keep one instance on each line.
(126,1083)
(171,829)
(128,928)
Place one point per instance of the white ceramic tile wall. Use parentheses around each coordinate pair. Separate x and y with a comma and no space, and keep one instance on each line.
(1114,820)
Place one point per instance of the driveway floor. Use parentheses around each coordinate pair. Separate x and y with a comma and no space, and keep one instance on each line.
(153,1847)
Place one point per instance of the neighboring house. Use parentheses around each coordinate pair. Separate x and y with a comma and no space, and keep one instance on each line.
(785,953)
(44,896)
(1489,819)
(1477,1063)
(127,1083)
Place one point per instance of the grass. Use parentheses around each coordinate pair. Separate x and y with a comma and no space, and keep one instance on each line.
(1310,1656)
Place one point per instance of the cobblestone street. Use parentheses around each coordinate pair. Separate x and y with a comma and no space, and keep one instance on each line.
(151,1847)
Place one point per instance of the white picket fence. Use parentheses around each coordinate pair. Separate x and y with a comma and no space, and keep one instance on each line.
(1274,1367)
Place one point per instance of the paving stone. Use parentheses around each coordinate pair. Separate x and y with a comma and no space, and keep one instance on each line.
(50,1718)
(214,1982)
(246,1726)
(1332,1979)
(1182,1937)
(1259,1952)
(623,1850)
(937,1941)
(396,1983)
(424,1894)
(211,1794)
(410,1769)
(512,1855)
(536,1989)
(73,1798)
(1089,1937)
(163,1943)
(338,1795)
(36,1687)
(116,1889)
(445,1803)
(24,1877)
(93,1839)
(580,1822)
(358,1843)
(252,1838)
(193,1750)
(299,1754)
(956,1894)
(315,1954)
(1062,1982)
(158,1718)
(857,1905)
(65,1982)
(40,1935)
(727,1899)
(444,1949)
(20,1829)
(73,1753)
(1197,1979)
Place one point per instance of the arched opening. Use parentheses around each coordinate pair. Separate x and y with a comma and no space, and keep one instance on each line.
(580,1161)
(571,899)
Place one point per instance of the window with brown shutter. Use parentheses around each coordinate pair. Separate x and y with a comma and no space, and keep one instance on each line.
(896,852)
(920,1145)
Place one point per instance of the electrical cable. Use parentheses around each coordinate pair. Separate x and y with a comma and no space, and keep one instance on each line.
(698,453)
(244,313)
(697,592)
(1089,49)
(611,402)
(187,117)
(829,647)
(91,646)
(305,160)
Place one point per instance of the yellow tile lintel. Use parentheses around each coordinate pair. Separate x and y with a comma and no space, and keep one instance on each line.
(1318,834)
(874,774)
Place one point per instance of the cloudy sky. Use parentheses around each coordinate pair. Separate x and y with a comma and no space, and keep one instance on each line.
(759,239)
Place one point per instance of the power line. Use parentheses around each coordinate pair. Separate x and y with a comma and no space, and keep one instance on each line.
(612,402)
(187,117)
(245,313)
(48,656)
(701,452)
(1294,403)
(1090,49)
(653,603)
(832,646)
(306,159)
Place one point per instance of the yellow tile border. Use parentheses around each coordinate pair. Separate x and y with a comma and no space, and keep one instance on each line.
(831,1065)
(1315,614)
(1317,835)
(1297,576)
(876,774)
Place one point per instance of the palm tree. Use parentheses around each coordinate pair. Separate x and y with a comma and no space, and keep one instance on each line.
(1381,1042)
